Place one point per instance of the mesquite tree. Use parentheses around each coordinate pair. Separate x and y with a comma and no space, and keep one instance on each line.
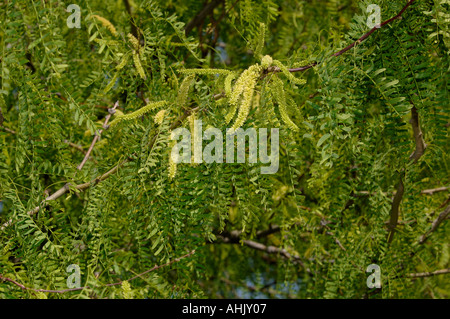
(92,198)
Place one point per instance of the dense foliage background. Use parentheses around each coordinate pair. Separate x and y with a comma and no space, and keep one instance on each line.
(364,149)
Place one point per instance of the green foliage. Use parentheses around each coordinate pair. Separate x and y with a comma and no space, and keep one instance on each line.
(346,140)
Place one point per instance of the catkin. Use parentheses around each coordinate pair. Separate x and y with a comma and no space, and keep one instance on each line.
(150,106)
(288,74)
(191,119)
(137,63)
(111,83)
(184,90)
(126,290)
(266,61)
(261,35)
(133,41)
(245,85)
(122,63)
(205,71)
(278,93)
(159,117)
(106,24)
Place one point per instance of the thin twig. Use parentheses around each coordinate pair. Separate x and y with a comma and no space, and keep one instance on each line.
(418,136)
(361,39)
(395,209)
(429,274)
(258,246)
(442,216)
(431,191)
(200,17)
(106,285)
(97,135)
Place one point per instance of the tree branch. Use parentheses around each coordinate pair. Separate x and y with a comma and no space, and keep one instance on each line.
(434,190)
(395,209)
(199,17)
(418,136)
(442,216)
(361,39)
(429,274)
(232,239)
(97,135)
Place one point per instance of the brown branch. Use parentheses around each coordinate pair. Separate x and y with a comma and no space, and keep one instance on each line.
(8,129)
(200,17)
(434,190)
(1,117)
(429,274)
(418,136)
(442,216)
(420,149)
(361,39)
(133,26)
(224,13)
(106,285)
(232,239)
(97,135)
(395,209)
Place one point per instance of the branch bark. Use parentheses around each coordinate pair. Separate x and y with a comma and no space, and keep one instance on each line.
(429,274)
(231,239)
(442,216)
(361,39)
(395,209)
(200,17)
(97,135)
(434,190)
(418,136)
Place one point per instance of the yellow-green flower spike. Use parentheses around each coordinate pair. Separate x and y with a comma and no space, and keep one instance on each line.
(266,61)
(227,84)
(278,93)
(106,24)
(159,117)
(231,113)
(184,90)
(133,41)
(126,290)
(122,63)
(261,36)
(111,83)
(150,106)
(288,74)
(205,71)
(245,84)
(137,63)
